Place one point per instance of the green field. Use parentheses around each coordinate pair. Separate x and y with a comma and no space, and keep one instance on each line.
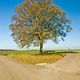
(36,52)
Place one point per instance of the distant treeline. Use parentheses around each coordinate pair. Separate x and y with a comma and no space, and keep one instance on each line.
(7,50)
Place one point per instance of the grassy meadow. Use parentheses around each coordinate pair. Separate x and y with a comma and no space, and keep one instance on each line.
(34,57)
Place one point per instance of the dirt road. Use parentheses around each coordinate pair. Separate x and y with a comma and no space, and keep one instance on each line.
(66,69)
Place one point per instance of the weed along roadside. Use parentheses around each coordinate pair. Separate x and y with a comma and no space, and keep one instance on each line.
(35,59)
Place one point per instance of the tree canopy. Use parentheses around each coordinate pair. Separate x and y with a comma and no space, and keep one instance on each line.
(37,21)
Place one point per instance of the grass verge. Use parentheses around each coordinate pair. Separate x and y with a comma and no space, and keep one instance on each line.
(35,59)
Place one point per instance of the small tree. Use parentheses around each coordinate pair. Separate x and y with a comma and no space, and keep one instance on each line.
(37,21)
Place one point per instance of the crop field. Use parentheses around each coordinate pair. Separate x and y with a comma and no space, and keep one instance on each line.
(9,52)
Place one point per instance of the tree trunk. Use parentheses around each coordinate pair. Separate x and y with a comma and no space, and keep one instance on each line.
(41,47)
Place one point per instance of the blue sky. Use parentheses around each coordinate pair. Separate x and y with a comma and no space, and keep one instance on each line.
(71,7)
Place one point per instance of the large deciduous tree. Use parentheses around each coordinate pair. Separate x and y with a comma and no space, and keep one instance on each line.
(37,21)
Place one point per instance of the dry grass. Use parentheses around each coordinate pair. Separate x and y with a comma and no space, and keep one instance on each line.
(34,59)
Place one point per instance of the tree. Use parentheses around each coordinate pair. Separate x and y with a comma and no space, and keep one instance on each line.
(37,21)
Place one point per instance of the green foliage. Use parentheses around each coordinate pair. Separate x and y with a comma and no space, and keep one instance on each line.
(37,21)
